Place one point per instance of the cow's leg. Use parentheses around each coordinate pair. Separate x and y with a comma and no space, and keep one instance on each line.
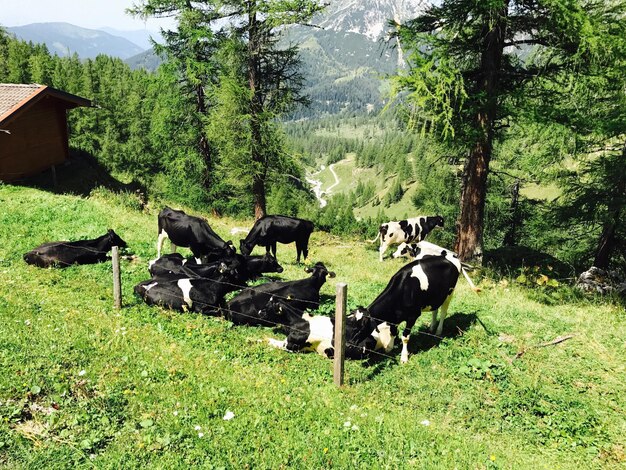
(298,252)
(382,249)
(160,240)
(172,247)
(274,249)
(433,323)
(406,334)
(444,312)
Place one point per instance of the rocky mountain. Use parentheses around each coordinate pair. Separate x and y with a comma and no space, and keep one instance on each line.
(65,39)
(347,58)
(368,18)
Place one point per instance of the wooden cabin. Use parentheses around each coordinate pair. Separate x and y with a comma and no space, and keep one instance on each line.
(33,128)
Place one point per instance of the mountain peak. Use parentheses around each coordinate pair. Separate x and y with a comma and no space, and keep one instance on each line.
(368,17)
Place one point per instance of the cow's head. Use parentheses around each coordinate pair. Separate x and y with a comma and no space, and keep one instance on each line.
(438,221)
(272,265)
(115,239)
(273,308)
(319,270)
(405,250)
(244,247)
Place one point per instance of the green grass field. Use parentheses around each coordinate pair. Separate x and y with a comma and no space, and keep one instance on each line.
(83,385)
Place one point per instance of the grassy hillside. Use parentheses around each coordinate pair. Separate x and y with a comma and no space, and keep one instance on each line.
(83,385)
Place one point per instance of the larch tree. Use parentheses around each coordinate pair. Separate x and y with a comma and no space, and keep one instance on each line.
(269,68)
(468,65)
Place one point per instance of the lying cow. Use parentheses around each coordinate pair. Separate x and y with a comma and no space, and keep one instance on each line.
(423,248)
(65,253)
(243,309)
(269,230)
(316,332)
(423,285)
(202,295)
(409,230)
(193,233)
(248,267)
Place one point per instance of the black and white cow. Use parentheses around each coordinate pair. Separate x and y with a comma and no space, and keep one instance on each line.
(316,332)
(423,248)
(248,267)
(304,332)
(365,335)
(65,253)
(202,295)
(409,230)
(243,309)
(269,230)
(423,285)
(193,233)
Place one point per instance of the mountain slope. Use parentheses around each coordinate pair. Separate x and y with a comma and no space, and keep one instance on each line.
(65,39)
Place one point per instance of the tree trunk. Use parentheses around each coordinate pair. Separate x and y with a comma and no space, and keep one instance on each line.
(510,238)
(469,242)
(608,241)
(258,179)
(203,145)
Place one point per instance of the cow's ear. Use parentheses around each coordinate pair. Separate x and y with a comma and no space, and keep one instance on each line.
(223,268)
(331,274)
(308,270)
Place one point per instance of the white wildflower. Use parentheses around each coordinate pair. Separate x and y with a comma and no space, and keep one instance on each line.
(425,422)
(229,415)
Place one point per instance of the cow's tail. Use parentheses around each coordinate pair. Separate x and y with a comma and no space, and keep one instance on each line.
(374,240)
(464,268)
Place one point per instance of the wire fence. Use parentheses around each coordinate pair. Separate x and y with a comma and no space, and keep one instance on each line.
(220,309)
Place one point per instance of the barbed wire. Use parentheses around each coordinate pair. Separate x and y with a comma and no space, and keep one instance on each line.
(220,309)
(163,281)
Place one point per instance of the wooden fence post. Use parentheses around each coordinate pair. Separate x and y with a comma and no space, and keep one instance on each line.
(117,278)
(340,332)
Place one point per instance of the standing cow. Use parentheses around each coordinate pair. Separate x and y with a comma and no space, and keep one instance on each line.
(192,232)
(424,285)
(424,248)
(409,230)
(278,228)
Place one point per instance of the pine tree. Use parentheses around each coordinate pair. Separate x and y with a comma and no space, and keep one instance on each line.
(466,72)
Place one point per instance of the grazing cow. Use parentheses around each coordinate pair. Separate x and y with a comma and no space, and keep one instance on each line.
(65,253)
(423,248)
(316,332)
(278,228)
(423,285)
(192,232)
(243,309)
(202,295)
(365,335)
(394,233)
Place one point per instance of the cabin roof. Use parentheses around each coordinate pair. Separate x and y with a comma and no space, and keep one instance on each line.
(15,98)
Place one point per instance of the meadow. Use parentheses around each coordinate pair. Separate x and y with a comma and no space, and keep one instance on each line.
(83,385)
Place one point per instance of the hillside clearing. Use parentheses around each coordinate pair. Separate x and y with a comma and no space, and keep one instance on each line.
(84,385)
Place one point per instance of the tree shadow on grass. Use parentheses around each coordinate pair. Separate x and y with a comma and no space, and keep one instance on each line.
(80,175)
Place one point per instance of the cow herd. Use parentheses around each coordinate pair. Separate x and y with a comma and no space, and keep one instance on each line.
(200,283)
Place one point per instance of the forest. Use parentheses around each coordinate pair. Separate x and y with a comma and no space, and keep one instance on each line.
(520,143)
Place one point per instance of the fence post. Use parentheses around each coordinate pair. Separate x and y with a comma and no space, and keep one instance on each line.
(117,278)
(340,332)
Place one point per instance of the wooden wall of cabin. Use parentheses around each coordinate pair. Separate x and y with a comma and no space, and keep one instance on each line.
(38,140)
